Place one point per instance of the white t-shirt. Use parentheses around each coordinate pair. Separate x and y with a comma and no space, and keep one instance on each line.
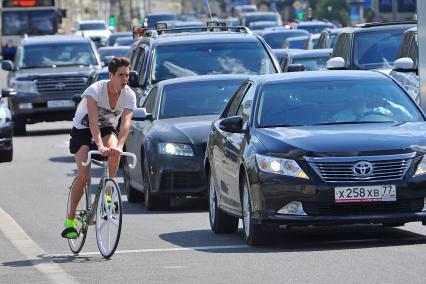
(106,116)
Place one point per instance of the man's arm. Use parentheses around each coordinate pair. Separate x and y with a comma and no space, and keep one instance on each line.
(126,119)
(92,111)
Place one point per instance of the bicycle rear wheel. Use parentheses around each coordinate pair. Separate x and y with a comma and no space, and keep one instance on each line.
(108,219)
(81,215)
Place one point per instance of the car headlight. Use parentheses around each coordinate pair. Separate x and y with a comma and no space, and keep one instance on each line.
(26,87)
(280,166)
(421,167)
(175,149)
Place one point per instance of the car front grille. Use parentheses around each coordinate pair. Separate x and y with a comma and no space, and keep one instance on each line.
(384,168)
(61,86)
(362,208)
(181,180)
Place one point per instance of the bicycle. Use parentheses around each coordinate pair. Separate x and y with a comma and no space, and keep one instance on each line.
(108,214)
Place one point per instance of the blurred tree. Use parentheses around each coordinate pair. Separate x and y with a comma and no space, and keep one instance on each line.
(332,10)
(369,14)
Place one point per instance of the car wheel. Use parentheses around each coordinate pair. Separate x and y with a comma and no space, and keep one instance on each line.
(6,155)
(220,222)
(152,202)
(133,195)
(253,233)
(19,126)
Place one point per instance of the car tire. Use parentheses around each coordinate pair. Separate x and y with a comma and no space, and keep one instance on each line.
(6,155)
(253,233)
(133,195)
(220,222)
(152,202)
(19,128)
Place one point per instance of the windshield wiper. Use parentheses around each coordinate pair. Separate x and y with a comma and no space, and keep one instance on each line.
(353,122)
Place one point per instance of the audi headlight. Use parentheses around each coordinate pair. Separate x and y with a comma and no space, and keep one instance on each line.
(28,87)
(421,167)
(175,149)
(280,166)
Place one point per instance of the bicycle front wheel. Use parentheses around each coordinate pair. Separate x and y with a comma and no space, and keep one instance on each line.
(81,215)
(108,218)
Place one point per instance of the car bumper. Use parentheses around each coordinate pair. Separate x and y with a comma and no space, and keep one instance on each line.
(178,176)
(6,132)
(317,202)
(37,108)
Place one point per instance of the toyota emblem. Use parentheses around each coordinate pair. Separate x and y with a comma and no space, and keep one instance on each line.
(60,86)
(362,169)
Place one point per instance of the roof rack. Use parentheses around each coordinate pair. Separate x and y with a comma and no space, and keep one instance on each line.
(377,24)
(138,32)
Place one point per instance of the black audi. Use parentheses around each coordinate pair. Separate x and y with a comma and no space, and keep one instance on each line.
(316,148)
(169,137)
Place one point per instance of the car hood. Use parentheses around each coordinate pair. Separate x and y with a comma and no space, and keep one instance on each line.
(65,71)
(344,140)
(192,130)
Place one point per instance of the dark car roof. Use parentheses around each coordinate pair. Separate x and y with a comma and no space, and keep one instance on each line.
(292,31)
(203,78)
(187,38)
(314,23)
(370,28)
(301,77)
(51,39)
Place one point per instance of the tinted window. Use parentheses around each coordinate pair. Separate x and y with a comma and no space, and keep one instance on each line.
(117,52)
(312,63)
(376,49)
(254,18)
(244,109)
(277,40)
(29,22)
(153,19)
(233,107)
(210,58)
(92,26)
(47,55)
(149,104)
(349,101)
(197,98)
(314,29)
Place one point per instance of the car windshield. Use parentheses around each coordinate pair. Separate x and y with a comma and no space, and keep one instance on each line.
(92,26)
(312,63)
(117,52)
(29,22)
(335,102)
(248,20)
(277,40)
(60,54)
(314,29)
(376,49)
(173,61)
(153,19)
(197,98)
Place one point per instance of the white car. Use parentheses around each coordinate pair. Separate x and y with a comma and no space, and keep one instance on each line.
(96,30)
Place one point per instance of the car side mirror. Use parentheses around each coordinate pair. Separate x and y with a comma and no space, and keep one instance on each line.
(140,114)
(336,63)
(233,124)
(404,64)
(7,92)
(133,79)
(295,68)
(7,65)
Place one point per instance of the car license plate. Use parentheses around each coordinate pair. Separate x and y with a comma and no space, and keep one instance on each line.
(60,103)
(374,193)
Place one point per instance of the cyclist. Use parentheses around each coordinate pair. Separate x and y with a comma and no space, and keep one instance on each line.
(94,125)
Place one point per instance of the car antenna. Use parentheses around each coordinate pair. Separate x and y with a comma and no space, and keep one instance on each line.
(210,12)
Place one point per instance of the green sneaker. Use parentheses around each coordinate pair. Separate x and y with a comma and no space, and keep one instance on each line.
(70,231)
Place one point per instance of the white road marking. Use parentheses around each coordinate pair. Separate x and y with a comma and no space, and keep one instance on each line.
(157,250)
(31,251)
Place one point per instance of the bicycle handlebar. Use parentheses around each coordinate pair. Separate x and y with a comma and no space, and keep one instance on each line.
(94,152)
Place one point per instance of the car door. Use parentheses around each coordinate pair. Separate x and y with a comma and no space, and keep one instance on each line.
(217,143)
(232,147)
(137,134)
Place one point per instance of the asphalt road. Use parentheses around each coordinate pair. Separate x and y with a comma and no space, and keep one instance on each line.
(176,246)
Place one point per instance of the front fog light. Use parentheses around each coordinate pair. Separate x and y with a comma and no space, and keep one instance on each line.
(292,208)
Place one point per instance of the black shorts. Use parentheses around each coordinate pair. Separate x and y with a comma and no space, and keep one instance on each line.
(80,137)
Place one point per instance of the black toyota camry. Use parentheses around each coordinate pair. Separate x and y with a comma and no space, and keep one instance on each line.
(169,137)
(316,148)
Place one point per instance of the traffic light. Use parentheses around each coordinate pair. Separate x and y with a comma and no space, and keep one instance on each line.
(300,16)
(112,21)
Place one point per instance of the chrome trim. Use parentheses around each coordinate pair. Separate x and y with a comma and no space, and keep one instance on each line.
(360,158)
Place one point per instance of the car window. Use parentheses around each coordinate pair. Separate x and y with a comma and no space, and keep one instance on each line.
(149,104)
(173,61)
(340,40)
(232,108)
(346,101)
(312,63)
(283,63)
(244,109)
(196,98)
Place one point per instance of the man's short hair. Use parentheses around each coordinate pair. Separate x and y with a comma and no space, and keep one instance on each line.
(118,62)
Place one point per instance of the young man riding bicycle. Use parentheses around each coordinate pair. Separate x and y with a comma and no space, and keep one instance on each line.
(94,125)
